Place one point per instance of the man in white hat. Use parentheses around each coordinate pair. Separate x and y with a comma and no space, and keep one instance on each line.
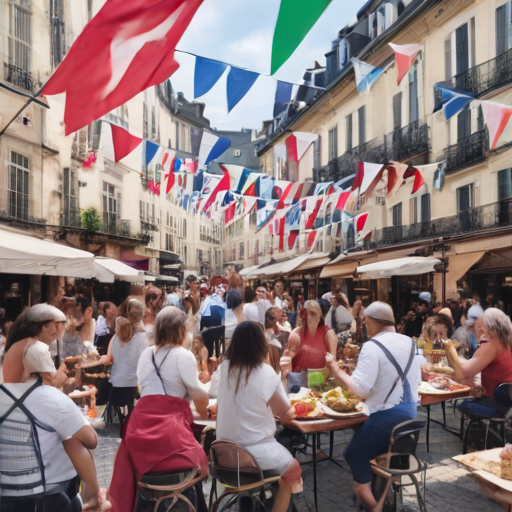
(387,375)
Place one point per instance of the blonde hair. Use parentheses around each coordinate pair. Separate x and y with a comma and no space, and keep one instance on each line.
(134,311)
(125,329)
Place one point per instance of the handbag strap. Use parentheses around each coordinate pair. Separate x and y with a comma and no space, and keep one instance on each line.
(402,374)
(157,368)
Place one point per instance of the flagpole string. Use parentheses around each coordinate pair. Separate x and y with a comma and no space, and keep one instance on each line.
(245,69)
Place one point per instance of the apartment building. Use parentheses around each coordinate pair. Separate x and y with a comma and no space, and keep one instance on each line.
(464,219)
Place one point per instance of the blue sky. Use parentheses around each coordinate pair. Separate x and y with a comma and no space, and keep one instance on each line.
(240,32)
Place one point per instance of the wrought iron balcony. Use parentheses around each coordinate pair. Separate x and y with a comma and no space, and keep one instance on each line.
(19,77)
(118,227)
(492,215)
(400,144)
(466,152)
(486,77)
(71,218)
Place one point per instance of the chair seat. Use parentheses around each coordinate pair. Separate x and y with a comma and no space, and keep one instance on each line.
(415,466)
(163,478)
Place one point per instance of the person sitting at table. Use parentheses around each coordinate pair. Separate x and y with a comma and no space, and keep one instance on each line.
(167,368)
(250,395)
(493,359)
(387,375)
(308,345)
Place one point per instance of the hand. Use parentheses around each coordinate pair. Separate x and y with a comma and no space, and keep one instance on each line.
(289,415)
(478,391)
(286,365)
(332,366)
(105,360)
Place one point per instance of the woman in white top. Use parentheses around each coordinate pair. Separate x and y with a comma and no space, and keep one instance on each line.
(235,312)
(124,352)
(167,368)
(338,316)
(250,394)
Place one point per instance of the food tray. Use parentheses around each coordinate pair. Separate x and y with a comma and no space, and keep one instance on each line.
(425,388)
(363,410)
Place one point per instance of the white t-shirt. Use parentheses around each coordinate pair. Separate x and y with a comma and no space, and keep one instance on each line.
(37,358)
(374,375)
(255,311)
(245,417)
(54,409)
(230,322)
(126,358)
(178,368)
(342,316)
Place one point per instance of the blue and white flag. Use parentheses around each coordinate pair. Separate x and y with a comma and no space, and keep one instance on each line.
(451,100)
(366,75)
(212,146)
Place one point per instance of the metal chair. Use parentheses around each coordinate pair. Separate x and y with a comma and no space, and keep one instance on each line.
(400,461)
(237,470)
(162,486)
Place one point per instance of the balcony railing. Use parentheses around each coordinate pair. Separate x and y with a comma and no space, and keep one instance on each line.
(466,152)
(19,77)
(492,215)
(486,77)
(71,218)
(399,145)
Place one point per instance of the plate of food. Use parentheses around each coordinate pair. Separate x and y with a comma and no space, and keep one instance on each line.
(438,385)
(342,404)
(306,404)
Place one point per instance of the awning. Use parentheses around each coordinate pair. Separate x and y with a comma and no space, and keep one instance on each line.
(413,265)
(340,270)
(459,264)
(358,255)
(108,269)
(315,260)
(170,279)
(22,254)
(249,271)
(283,267)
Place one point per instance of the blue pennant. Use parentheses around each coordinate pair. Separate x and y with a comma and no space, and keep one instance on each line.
(283,97)
(239,83)
(206,74)
(151,150)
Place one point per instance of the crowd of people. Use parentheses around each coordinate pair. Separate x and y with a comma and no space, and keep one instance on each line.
(167,361)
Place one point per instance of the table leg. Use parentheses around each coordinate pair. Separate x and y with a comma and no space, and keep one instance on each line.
(461,435)
(314,471)
(428,428)
(443,406)
(331,443)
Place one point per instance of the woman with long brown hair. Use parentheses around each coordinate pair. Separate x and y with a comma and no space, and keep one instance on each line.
(250,394)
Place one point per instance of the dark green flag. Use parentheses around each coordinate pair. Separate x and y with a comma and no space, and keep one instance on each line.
(295,20)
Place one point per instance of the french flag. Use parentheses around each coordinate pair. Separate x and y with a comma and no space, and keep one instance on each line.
(212,147)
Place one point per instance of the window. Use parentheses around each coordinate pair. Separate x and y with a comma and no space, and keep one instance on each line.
(361,120)
(18,186)
(448,59)
(333,143)
(20,36)
(169,242)
(199,257)
(472,25)
(464,123)
(237,153)
(109,205)
(503,28)
(348,133)
(397,110)
(184,234)
(504,184)
(397,215)
(413,95)
(464,198)
(462,49)
(71,208)
(185,254)
(425,208)
(241,248)
(57,31)
(317,153)
(413,210)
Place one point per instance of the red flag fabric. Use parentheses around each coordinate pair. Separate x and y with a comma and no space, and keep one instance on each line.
(405,55)
(291,145)
(154,187)
(418,182)
(358,180)
(342,200)
(126,48)
(360,221)
(292,237)
(124,142)
(310,222)
(311,239)
(229,213)
(281,234)
(222,185)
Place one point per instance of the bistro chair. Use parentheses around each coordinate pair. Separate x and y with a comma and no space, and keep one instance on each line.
(503,396)
(239,472)
(158,487)
(401,461)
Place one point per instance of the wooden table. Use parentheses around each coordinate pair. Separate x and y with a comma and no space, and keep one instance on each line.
(427,399)
(315,427)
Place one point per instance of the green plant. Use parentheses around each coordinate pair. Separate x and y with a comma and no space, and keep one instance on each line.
(91,220)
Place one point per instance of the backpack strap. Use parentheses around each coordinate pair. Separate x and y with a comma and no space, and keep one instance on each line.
(402,374)
(157,369)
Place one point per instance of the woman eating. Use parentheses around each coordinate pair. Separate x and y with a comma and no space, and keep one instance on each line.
(493,359)
(124,353)
(250,394)
(167,368)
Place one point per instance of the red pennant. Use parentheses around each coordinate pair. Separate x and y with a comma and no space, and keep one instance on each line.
(154,187)
(418,182)
(342,200)
(311,239)
(310,222)
(361,221)
(171,179)
(292,237)
(124,142)
(291,145)
(229,213)
(358,180)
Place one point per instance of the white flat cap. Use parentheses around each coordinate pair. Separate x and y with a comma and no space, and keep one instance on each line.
(380,312)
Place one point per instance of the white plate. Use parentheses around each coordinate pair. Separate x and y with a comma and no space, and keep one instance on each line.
(333,414)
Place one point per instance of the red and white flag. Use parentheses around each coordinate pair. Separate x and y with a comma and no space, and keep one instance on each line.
(210,190)
(126,48)
(405,55)
(496,118)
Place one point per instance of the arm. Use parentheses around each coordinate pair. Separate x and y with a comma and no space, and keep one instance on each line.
(280,405)
(84,466)
(188,373)
(55,379)
(204,375)
(87,436)
(482,358)
(332,342)
(109,358)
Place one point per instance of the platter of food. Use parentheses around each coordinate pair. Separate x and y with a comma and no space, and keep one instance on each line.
(342,404)
(439,385)
(306,404)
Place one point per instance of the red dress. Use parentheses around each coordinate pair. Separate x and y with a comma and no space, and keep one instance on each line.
(499,371)
(158,437)
(313,349)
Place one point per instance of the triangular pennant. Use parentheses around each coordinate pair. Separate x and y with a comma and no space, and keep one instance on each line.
(366,75)
(405,55)
(283,97)
(151,150)
(292,238)
(124,142)
(238,84)
(452,100)
(418,181)
(291,146)
(206,74)
(496,118)
(212,146)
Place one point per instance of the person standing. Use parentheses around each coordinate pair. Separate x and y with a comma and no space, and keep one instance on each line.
(154,300)
(105,326)
(387,375)
(255,311)
(278,294)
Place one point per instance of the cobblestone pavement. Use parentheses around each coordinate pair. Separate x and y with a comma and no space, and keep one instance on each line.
(449,487)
